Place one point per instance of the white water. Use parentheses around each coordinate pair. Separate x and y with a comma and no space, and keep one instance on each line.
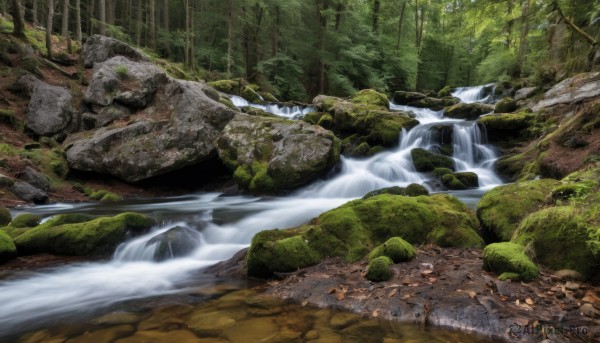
(290,112)
(472,94)
(225,225)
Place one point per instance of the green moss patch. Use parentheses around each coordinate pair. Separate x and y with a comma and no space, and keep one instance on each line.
(397,249)
(5,216)
(425,161)
(105,196)
(412,190)
(379,269)
(509,257)
(8,249)
(25,220)
(68,235)
(370,97)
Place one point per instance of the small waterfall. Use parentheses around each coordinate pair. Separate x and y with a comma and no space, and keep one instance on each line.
(290,112)
(470,95)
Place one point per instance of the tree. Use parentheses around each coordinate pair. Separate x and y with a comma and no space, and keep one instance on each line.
(65,24)
(102,16)
(49,24)
(18,21)
(78,34)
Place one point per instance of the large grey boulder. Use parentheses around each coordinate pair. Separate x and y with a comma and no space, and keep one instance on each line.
(271,154)
(175,242)
(124,81)
(174,132)
(100,48)
(36,178)
(50,108)
(27,192)
(579,88)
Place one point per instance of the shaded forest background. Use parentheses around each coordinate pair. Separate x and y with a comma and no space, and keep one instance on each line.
(299,48)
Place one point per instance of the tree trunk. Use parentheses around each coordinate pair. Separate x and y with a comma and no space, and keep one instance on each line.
(19,23)
(34,14)
(49,23)
(91,10)
(524,32)
(323,46)
(230,16)
(102,14)
(138,29)
(376,7)
(65,25)
(187,62)
(400,22)
(276,32)
(338,16)
(165,17)
(151,24)
(78,34)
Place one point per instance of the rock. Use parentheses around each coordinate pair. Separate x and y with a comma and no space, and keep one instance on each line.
(116,318)
(175,242)
(354,229)
(100,48)
(572,286)
(252,330)
(501,210)
(524,93)
(499,126)
(412,190)
(5,216)
(590,311)
(468,179)
(370,97)
(579,88)
(452,182)
(72,234)
(36,179)
(6,181)
(165,337)
(468,111)
(425,161)
(25,220)
(561,238)
(343,320)
(509,257)
(29,193)
(397,249)
(25,84)
(106,115)
(50,108)
(124,81)
(228,86)
(191,123)
(421,100)
(8,249)
(506,105)
(107,335)
(268,154)
(210,324)
(568,275)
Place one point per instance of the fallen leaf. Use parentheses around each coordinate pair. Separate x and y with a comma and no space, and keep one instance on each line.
(529,301)
(405,296)
(414,285)
(472,294)
(503,298)
(375,314)
(432,280)
(517,302)
(341,296)
(426,272)
(331,290)
(393,292)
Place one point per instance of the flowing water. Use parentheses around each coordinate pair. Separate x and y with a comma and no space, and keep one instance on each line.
(290,112)
(222,225)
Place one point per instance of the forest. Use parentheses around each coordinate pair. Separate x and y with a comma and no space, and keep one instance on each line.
(297,49)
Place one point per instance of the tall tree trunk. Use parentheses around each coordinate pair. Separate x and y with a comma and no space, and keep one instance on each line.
(102,16)
(91,13)
(338,16)
(323,45)
(187,59)
(138,29)
(276,32)
(524,32)
(49,23)
(152,25)
(65,25)
(230,16)
(165,17)
(510,24)
(400,22)
(110,9)
(34,14)
(78,34)
(18,21)
(376,8)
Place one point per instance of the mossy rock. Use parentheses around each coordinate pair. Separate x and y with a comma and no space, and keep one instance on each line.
(77,235)
(467,111)
(502,209)
(352,230)
(425,161)
(506,105)
(439,172)
(5,216)
(514,124)
(562,238)
(313,117)
(397,249)
(25,220)
(571,191)
(469,179)
(227,102)
(379,269)
(227,86)
(8,249)
(105,196)
(445,92)
(507,257)
(251,95)
(370,97)
(452,182)
(414,189)
(326,121)
(509,276)
(268,97)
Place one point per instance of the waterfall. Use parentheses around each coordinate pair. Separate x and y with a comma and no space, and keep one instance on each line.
(470,95)
(289,112)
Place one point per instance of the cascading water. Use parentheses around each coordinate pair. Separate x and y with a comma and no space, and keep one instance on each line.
(290,112)
(470,95)
(224,225)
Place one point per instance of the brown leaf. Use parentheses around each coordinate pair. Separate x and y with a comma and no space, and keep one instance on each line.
(331,290)
(426,272)
(503,298)
(375,314)
(405,296)
(432,280)
(472,294)
(517,302)
(393,292)
(529,301)
(414,284)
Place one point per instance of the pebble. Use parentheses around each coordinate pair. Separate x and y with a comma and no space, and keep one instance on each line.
(589,310)
(572,286)
(560,295)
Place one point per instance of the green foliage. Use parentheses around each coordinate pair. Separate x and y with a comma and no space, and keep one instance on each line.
(122,71)
(105,196)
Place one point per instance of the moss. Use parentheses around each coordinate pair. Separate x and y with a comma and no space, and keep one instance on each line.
(261,182)
(450,181)
(469,179)
(227,102)
(370,97)
(561,238)
(425,161)
(397,249)
(509,276)
(415,189)
(506,105)
(375,150)
(571,190)
(105,196)
(121,71)
(5,216)
(242,177)
(25,220)
(7,116)
(379,269)
(4,180)
(67,235)
(508,122)
(509,257)
(8,249)
(268,97)
(14,232)
(455,225)
(227,86)
(439,172)
(444,92)
(251,95)
(326,121)
(502,209)
(384,127)
(313,117)
(278,251)
(467,111)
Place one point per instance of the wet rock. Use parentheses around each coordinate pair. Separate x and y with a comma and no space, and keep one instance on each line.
(421,100)
(108,335)
(589,310)
(524,93)
(343,320)
(36,179)
(116,318)
(175,242)
(411,190)
(568,275)
(210,324)
(165,318)
(425,161)
(499,126)
(582,87)
(506,105)
(166,337)
(268,154)
(468,111)
(50,108)
(572,286)
(100,48)
(29,193)
(252,330)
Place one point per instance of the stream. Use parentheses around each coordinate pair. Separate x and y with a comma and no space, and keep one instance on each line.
(220,226)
